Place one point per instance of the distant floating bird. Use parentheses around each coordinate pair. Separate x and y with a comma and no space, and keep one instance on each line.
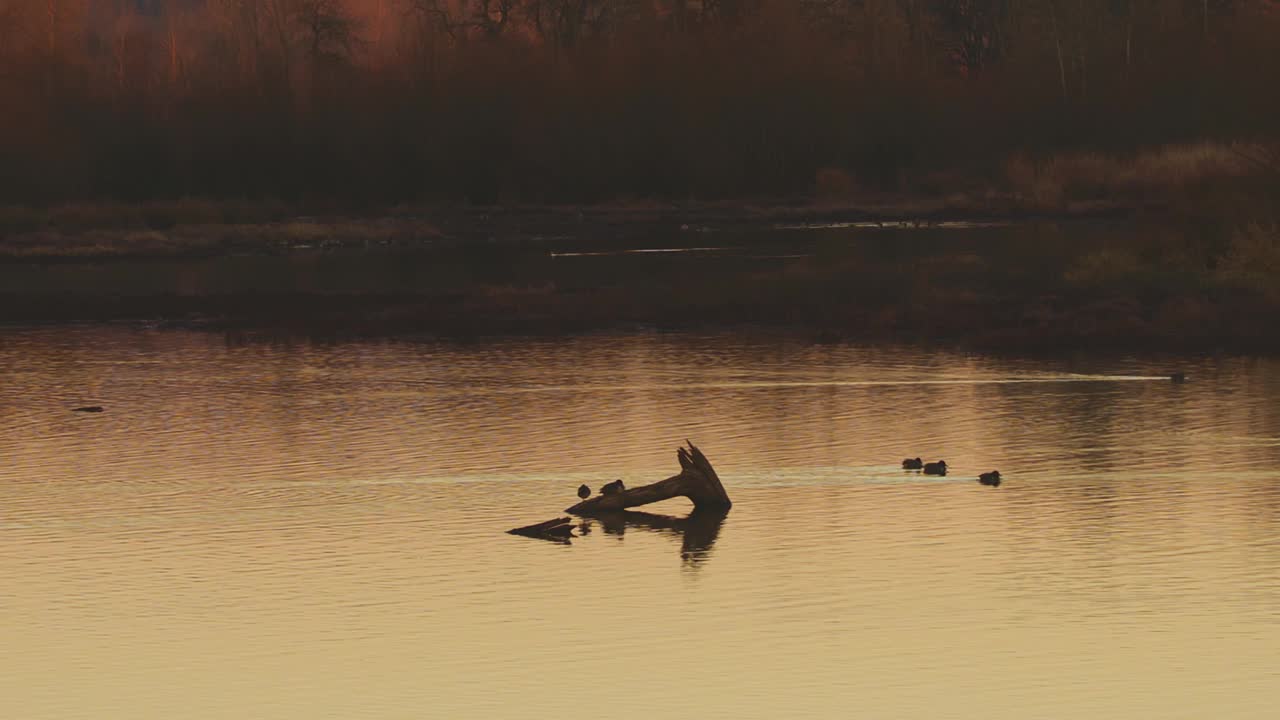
(89,409)
(1178,377)
(584,492)
(991,478)
(937,468)
(614,487)
(912,464)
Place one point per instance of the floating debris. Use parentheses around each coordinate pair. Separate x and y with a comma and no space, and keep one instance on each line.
(559,530)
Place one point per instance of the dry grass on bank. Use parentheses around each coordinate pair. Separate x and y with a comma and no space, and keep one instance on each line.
(1253,260)
(114,234)
(1150,176)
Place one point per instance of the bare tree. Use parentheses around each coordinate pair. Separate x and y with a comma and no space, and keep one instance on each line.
(974,30)
(329,32)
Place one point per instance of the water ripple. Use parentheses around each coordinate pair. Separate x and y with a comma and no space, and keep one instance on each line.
(318,531)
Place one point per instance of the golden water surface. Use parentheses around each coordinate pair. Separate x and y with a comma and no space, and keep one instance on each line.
(300,531)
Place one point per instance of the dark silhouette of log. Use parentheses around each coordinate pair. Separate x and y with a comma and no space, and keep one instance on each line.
(558,529)
(697,481)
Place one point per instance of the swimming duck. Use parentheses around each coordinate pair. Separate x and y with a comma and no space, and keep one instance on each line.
(912,464)
(1178,377)
(584,492)
(936,468)
(991,478)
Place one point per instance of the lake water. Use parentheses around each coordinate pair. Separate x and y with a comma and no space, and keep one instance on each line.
(308,531)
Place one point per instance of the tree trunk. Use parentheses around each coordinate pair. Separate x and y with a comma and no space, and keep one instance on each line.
(1128,46)
(51,12)
(1057,44)
(697,481)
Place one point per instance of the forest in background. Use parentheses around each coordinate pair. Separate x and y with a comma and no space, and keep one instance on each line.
(361,102)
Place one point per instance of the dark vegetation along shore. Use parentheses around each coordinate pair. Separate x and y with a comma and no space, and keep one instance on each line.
(1118,279)
(993,173)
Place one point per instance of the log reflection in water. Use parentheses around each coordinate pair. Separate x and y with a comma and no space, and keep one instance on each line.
(698,531)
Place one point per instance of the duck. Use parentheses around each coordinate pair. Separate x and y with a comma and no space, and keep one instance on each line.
(1178,377)
(584,492)
(990,478)
(614,487)
(912,464)
(936,468)
(89,409)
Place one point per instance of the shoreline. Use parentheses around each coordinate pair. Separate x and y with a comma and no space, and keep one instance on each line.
(1104,326)
(992,276)
(96,233)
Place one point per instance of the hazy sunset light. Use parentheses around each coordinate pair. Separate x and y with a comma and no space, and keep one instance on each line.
(742,359)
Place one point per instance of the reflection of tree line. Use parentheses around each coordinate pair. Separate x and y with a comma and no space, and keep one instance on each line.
(589,99)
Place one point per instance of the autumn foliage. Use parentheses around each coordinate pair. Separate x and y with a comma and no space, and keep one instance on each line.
(589,100)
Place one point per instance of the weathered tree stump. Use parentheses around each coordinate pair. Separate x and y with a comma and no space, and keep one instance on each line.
(697,481)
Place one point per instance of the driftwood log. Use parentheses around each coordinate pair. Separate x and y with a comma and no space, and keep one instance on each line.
(560,529)
(697,481)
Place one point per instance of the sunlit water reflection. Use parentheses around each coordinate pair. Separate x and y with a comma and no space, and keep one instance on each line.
(299,531)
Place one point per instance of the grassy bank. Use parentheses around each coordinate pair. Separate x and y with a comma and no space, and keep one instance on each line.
(1228,184)
(1044,285)
(1176,248)
(403,167)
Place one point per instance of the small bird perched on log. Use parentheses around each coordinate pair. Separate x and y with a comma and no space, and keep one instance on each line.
(910,464)
(584,492)
(991,478)
(936,468)
(614,487)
